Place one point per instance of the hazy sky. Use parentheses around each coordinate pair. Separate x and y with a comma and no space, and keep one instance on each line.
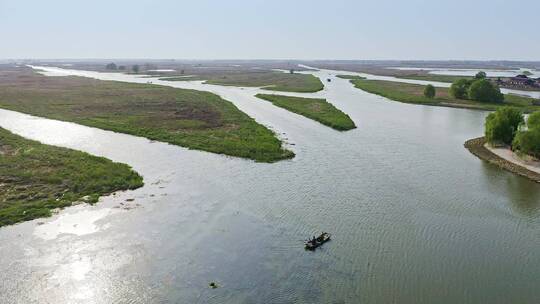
(273,29)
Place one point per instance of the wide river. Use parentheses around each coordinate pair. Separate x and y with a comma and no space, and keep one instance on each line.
(415,217)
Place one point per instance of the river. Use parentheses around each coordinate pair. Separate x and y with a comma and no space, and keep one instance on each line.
(415,217)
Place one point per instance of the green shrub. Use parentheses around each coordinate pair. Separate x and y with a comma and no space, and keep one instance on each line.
(429,91)
(501,125)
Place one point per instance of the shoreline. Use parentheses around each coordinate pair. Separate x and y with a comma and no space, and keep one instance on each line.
(451,78)
(477,147)
(412,94)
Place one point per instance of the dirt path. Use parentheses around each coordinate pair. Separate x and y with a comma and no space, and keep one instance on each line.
(510,156)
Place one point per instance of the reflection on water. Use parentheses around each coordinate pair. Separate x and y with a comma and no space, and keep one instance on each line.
(79,223)
(415,217)
(523,194)
(525,197)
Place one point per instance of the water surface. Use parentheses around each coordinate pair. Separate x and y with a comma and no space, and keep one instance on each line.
(415,217)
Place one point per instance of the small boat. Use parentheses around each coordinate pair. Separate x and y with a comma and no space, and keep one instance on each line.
(311,245)
(328,79)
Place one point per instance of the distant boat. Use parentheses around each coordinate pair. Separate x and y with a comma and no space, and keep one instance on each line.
(328,79)
(313,244)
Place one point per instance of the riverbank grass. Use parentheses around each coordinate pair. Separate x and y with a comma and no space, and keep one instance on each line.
(273,81)
(413,93)
(317,109)
(350,77)
(36,178)
(193,119)
(435,77)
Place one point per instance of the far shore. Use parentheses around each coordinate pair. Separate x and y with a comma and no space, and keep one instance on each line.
(504,158)
(414,94)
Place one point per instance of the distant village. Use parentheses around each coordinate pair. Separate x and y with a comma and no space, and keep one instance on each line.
(521,81)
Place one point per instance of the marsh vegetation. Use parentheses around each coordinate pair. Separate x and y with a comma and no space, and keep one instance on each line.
(188,118)
(314,108)
(274,81)
(36,178)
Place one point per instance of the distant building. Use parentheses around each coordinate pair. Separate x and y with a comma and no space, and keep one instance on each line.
(521,80)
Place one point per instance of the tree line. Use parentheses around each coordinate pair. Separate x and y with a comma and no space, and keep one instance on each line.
(477,89)
(112,66)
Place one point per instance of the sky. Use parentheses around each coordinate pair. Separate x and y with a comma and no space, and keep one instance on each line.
(273,29)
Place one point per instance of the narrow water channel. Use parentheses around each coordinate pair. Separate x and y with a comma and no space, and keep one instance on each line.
(415,217)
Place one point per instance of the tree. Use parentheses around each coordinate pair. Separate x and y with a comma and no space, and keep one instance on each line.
(501,126)
(291,71)
(135,68)
(483,90)
(480,75)
(111,66)
(528,141)
(429,91)
(459,88)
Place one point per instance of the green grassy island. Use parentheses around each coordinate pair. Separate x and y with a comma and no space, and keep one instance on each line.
(435,77)
(351,77)
(35,178)
(413,93)
(313,108)
(188,118)
(274,81)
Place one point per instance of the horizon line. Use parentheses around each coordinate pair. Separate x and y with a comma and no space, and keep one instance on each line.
(264,59)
